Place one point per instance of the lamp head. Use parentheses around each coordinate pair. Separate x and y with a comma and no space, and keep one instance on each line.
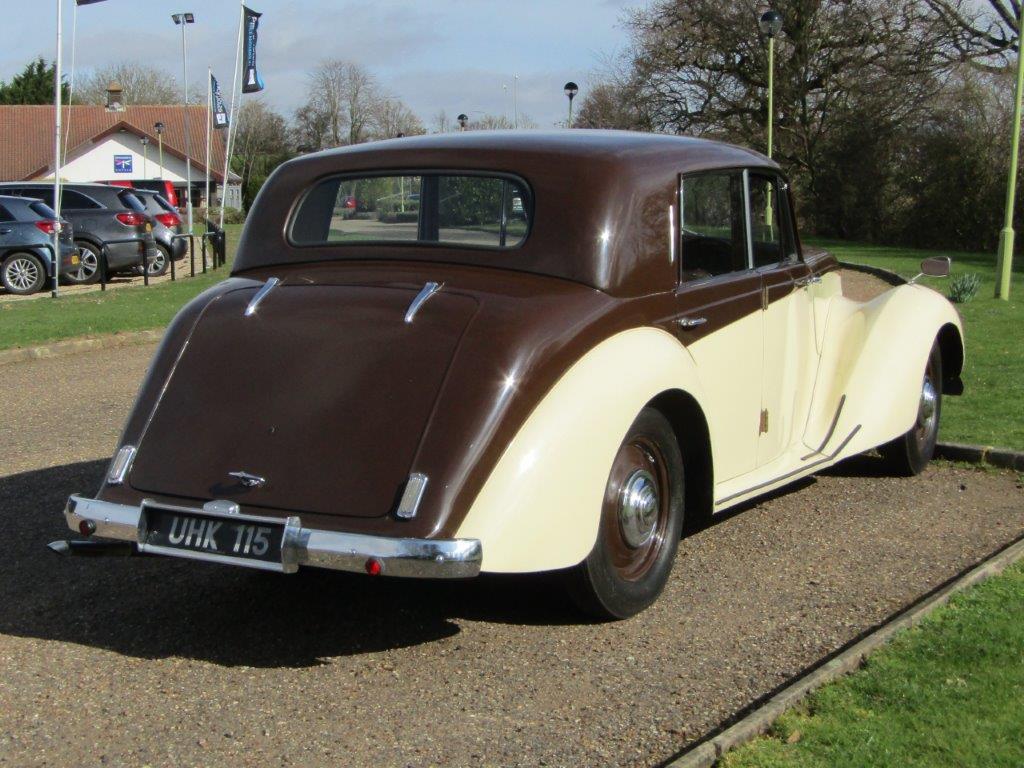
(770,23)
(571,89)
(463,119)
(183,18)
(158,127)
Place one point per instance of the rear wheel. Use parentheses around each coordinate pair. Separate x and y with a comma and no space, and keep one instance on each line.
(910,453)
(23,274)
(160,263)
(88,265)
(641,523)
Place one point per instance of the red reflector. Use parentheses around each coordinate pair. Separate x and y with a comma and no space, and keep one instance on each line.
(87,527)
(373,566)
(168,219)
(47,227)
(132,219)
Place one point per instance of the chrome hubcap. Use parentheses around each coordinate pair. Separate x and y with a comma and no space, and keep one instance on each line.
(157,263)
(926,410)
(22,274)
(638,508)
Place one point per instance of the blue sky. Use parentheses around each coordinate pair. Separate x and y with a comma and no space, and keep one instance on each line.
(453,55)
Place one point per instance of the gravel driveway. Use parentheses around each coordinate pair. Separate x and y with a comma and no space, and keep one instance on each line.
(160,662)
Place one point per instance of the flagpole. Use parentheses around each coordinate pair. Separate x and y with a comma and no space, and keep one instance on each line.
(188,152)
(71,88)
(231,112)
(209,96)
(55,256)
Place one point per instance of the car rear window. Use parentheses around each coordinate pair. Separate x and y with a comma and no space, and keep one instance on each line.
(164,204)
(43,209)
(451,209)
(132,202)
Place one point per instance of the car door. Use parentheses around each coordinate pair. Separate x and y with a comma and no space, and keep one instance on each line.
(9,234)
(790,352)
(719,315)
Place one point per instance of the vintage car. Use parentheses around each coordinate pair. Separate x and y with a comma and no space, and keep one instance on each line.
(474,384)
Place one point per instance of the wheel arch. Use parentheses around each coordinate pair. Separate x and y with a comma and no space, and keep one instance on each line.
(951,347)
(690,426)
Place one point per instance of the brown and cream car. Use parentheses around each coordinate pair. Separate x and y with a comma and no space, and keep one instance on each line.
(522,352)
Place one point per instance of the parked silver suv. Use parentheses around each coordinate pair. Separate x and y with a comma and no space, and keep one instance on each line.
(26,228)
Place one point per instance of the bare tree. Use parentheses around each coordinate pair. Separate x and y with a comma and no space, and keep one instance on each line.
(142,84)
(390,118)
(261,144)
(983,32)
(343,98)
(441,123)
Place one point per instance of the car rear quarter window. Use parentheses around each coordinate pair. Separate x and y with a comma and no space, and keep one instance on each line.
(164,204)
(713,231)
(130,201)
(5,215)
(451,209)
(43,209)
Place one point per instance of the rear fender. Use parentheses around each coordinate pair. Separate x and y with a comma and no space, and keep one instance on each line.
(540,507)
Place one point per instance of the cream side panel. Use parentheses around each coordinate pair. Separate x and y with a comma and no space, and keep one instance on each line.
(539,509)
(730,368)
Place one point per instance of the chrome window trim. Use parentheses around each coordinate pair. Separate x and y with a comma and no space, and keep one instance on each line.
(121,464)
(749,221)
(428,290)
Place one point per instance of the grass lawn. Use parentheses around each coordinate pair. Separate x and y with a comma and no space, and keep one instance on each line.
(990,411)
(135,308)
(949,692)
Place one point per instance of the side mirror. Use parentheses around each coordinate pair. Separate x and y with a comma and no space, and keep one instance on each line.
(937,266)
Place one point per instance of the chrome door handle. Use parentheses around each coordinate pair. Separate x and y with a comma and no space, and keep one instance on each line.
(691,322)
(803,282)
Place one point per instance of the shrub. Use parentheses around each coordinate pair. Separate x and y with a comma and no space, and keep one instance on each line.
(963,288)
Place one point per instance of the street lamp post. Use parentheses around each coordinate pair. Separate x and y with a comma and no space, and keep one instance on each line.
(144,140)
(770,24)
(159,128)
(463,121)
(571,89)
(184,19)
(1004,261)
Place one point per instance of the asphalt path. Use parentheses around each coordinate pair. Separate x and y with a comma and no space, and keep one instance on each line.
(148,661)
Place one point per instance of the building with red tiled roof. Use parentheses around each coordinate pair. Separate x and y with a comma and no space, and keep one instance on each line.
(106,144)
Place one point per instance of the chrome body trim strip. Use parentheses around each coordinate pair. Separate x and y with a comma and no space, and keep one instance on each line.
(415,486)
(428,290)
(828,435)
(120,465)
(311,547)
(803,470)
(261,294)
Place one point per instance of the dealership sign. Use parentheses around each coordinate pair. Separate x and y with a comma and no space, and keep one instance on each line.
(122,163)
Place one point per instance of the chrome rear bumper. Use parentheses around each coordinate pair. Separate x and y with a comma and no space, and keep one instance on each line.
(313,547)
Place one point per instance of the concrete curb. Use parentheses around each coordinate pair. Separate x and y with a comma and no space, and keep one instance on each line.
(77,346)
(707,753)
(981,454)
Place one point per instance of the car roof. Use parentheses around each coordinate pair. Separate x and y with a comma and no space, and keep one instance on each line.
(601,199)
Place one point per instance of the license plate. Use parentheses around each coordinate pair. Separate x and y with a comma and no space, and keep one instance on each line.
(74,258)
(242,540)
(149,227)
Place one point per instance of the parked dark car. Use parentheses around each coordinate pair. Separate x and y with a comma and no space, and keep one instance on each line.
(163,188)
(166,224)
(99,213)
(26,227)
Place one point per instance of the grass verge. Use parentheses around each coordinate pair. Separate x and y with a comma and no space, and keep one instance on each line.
(133,308)
(947,692)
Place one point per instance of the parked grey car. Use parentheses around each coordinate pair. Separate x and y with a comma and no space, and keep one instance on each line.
(26,227)
(166,224)
(99,213)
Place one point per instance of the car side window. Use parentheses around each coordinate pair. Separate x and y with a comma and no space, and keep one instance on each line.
(769,236)
(76,200)
(5,215)
(713,225)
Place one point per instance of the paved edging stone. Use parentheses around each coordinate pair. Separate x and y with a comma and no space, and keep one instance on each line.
(759,721)
(77,346)
(1003,458)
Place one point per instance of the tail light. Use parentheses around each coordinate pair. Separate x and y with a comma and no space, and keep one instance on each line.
(131,219)
(350,202)
(168,219)
(46,227)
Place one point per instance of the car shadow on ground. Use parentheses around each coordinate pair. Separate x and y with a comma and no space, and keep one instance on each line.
(152,607)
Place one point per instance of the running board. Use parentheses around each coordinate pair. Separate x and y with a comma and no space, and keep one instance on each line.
(799,471)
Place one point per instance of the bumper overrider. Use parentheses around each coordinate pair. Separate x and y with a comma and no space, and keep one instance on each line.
(300,546)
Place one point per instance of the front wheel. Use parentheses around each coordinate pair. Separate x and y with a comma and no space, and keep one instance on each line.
(641,523)
(910,453)
(160,263)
